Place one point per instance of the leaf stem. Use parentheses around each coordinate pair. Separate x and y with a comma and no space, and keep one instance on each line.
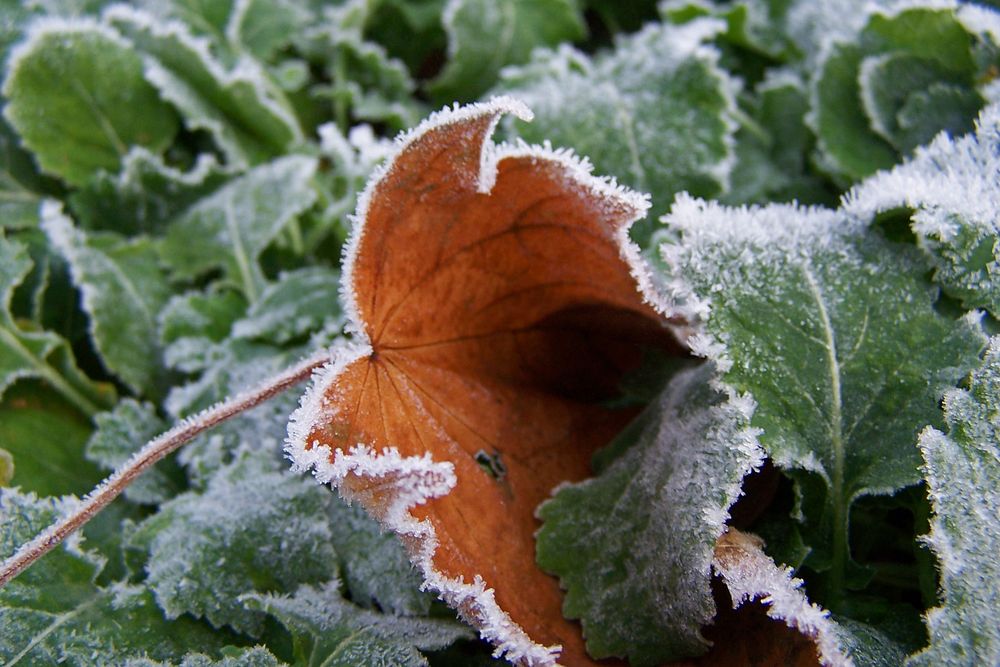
(153,451)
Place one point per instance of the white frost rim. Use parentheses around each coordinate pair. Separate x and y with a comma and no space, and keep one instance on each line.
(754,576)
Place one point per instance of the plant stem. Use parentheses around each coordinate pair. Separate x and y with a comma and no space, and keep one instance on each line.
(152,452)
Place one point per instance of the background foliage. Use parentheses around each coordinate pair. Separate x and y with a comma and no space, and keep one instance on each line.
(175,183)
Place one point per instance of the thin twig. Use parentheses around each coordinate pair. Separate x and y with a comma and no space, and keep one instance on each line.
(152,452)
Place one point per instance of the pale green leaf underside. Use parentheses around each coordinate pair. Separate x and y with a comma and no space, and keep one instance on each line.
(633,546)
(963,478)
(79,101)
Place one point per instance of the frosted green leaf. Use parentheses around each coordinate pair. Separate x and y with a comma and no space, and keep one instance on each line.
(243,110)
(202,315)
(868,90)
(33,353)
(963,479)
(485,35)
(79,101)
(230,228)
(654,113)
(833,331)
(755,25)
(633,546)
(225,369)
(365,82)
(123,290)
(46,435)
(54,613)
(772,153)
(262,428)
(260,27)
(258,656)
(329,631)
(953,190)
(145,194)
(122,432)
(298,303)
(376,570)
(253,528)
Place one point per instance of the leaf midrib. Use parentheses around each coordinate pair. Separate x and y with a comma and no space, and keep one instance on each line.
(836,435)
(57,622)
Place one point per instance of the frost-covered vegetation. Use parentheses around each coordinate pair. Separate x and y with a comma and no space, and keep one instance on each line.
(176,185)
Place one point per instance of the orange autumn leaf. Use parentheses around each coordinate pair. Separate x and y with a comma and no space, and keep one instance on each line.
(493,296)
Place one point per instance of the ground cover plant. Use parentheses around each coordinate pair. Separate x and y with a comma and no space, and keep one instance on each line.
(724,391)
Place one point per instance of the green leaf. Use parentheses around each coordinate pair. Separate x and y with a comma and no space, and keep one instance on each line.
(123,291)
(773,145)
(259,27)
(258,656)
(6,468)
(328,631)
(485,35)
(963,479)
(953,190)
(254,528)
(79,100)
(263,27)
(833,331)
(872,99)
(230,228)
(654,113)
(46,435)
(244,111)
(376,570)
(145,195)
(943,107)
(299,303)
(122,432)
(633,546)
(19,183)
(54,613)
(365,82)
(755,26)
(201,315)
(39,354)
